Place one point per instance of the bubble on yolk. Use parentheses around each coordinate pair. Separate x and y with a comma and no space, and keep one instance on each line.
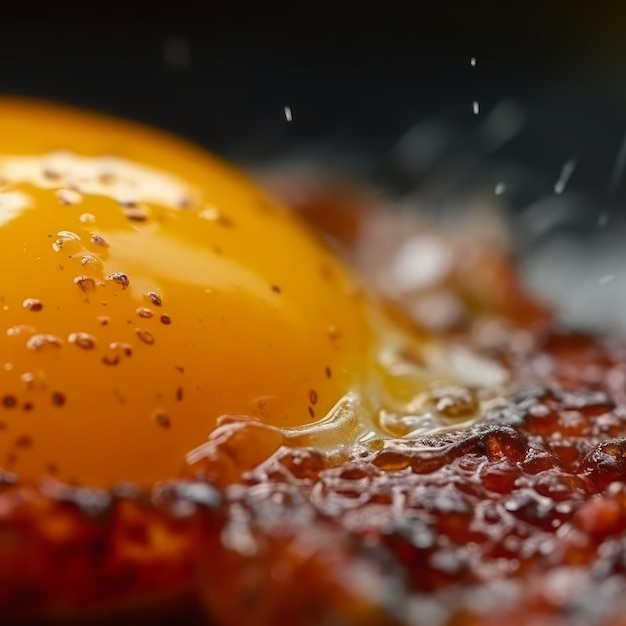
(145,295)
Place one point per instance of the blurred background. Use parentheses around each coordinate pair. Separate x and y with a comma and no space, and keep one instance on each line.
(521,105)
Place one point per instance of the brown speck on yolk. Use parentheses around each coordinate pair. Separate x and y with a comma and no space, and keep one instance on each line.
(85,283)
(326,273)
(162,419)
(9,401)
(311,412)
(313,396)
(32,304)
(88,259)
(154,297)
(145,335)
(185,203)
(334,334)
(24,441)
(120,278)
(136,214)
(166,319)
(51,174)
(99,240)
(276,289)
(225,221)
(125,348)
(41,341)
(58,399)
(82,340)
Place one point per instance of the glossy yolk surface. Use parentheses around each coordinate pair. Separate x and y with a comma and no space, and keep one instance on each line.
(146,290)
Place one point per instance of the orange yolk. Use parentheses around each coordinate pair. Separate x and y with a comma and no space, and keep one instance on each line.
(147,290)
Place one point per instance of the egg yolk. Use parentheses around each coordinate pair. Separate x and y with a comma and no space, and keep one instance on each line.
(146,290)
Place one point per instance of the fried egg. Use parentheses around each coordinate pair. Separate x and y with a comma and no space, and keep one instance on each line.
(148,291)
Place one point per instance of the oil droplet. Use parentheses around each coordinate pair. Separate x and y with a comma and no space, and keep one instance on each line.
(87,218)
(211,214)
(68,196)
(144,312)
(28,378)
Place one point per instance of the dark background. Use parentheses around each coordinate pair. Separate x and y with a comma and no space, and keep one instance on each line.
(357,79)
